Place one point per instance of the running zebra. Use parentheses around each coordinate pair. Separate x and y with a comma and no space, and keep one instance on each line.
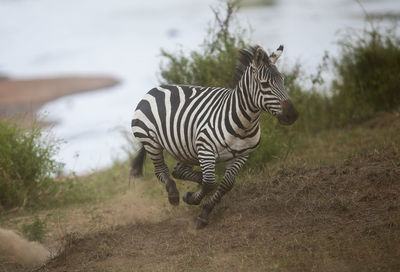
(207,125)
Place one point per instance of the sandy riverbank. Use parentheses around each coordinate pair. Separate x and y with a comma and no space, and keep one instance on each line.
(21,96)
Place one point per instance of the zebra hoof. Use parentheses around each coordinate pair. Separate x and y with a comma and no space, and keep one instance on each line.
(201,223)
(173,199)
(173,196)
(187,197)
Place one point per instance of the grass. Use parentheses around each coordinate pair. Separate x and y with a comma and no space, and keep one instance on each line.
(330,206)
(367,74)
(335,194)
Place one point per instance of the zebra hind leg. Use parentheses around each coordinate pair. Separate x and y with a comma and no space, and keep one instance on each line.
(186,172)
(162,173)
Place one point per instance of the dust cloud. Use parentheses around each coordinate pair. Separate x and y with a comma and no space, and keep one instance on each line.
(17,249)
(144,202)
(137,206)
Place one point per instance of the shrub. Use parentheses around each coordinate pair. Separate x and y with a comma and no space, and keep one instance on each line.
(368,72)
(214,64)
(36,231)
(26,165)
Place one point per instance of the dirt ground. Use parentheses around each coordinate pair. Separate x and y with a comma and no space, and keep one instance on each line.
(343,217)
(20,96)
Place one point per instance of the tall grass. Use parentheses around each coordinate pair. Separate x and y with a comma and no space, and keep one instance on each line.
(368,72)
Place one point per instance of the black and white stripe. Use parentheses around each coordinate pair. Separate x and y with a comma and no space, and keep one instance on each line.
(206,125)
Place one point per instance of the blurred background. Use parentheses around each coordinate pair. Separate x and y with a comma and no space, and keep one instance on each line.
(118,42)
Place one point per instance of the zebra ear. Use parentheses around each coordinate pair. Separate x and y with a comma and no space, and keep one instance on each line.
(275,55)
(260,57)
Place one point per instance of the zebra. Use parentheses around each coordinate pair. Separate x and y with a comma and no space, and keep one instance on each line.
(207,125)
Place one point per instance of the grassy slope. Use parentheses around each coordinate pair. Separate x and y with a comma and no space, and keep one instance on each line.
(333,205)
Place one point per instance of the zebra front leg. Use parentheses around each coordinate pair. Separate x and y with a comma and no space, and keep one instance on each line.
(207,164)
(162,173)
(226,185)
(186,172)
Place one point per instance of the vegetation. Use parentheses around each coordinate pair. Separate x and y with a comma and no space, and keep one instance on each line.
(214,64)
(26,165)
(28,172)
(333,205)
(367,75)
(35,231)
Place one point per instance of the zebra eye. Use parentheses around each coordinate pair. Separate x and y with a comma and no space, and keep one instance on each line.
(264,85)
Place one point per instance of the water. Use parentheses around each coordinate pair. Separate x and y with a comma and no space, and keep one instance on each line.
(41,38)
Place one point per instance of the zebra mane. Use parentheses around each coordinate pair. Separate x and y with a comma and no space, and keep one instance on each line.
(245,58)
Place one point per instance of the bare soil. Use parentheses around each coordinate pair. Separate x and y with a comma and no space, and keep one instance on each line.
(342,217)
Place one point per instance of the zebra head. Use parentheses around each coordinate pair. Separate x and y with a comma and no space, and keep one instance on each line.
(268,87)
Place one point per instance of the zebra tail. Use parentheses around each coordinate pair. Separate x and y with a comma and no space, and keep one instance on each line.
(137,163)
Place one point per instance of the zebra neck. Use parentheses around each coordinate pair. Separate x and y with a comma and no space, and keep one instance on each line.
(244,114)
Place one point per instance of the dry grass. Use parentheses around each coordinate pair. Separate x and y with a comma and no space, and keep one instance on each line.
(333,205)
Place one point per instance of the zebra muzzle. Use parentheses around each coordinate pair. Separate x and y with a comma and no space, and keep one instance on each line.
(289,113)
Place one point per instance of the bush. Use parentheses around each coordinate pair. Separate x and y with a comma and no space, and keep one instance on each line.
(368,72)
(36,231)
(26,165)
(215,64)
